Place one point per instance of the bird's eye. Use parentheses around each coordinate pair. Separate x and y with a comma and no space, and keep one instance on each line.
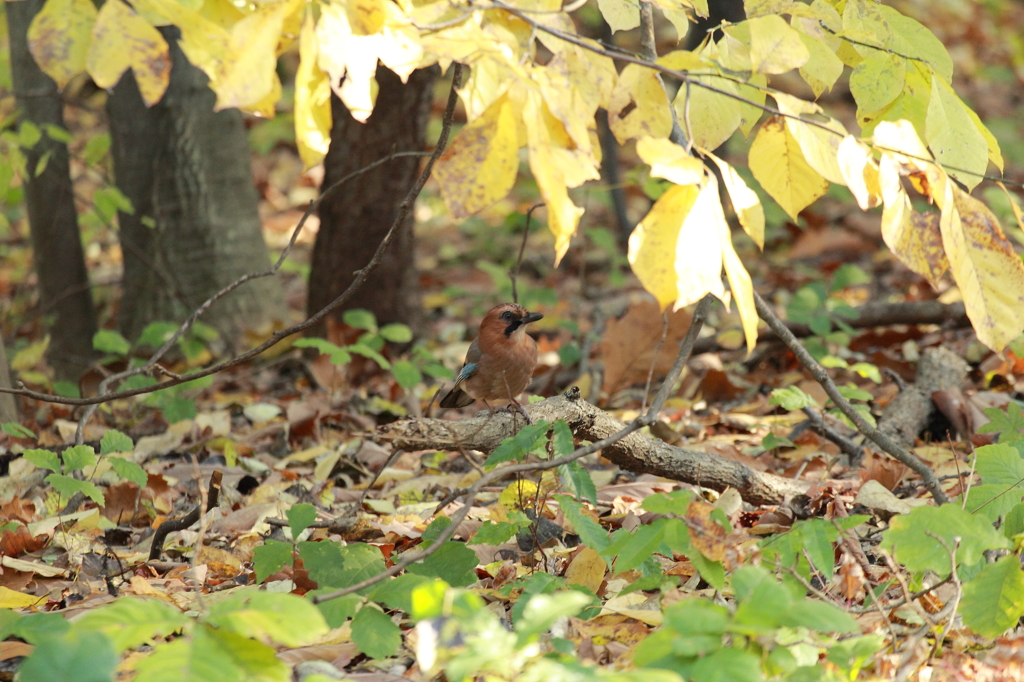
(507,315)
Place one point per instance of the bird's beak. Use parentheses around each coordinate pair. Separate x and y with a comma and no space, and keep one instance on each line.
(531,317)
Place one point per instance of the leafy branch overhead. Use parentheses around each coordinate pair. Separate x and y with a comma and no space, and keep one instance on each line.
(913,124)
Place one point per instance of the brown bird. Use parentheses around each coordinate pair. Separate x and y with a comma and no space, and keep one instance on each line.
(500,362)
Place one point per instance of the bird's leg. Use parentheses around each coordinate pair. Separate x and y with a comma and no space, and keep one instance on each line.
(521,410)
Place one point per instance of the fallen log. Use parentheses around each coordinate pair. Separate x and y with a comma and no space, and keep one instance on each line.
(637,453)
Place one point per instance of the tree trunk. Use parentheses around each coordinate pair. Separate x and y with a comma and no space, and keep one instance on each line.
(53,221)
(354,219)
(8,408)
(195,226)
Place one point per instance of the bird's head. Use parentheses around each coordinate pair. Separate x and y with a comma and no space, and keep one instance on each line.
(508,319)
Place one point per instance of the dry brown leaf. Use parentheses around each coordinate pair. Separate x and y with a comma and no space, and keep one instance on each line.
(629,344)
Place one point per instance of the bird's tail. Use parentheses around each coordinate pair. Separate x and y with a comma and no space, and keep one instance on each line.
(456,398)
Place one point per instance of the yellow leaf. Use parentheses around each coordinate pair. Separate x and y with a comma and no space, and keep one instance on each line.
(899,141)
(778,164)
(709,118)
(1018,213)
(952,136)
(366,17)
(549,163)
(574,86)
(639,105)
(744,201)
(860,172)
(246,77)
(739,279)
(698,251)
(823,68)
(59,38)
(488,80)
(312,100)
(988,271)
(914,238)
(820,146)
(683,60)
(480,166)
(10,599)
(122,39)
(621,15)
(774,46)
(587,570)
(266,107)
(670,161)
(910,104)
(351,59)
(652,245)
(205,43)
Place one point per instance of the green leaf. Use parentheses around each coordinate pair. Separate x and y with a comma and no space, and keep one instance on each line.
(728,665)
(1014,523)
(848,275)
(285,619)
(109,201)
(212,655)
(576,479)
(542,610)
(35,627)
(1009,422)
(434,529)
(57,134)
(300,517)
(339,356)
(78,457)
(952,136)
(132,621)
(96,148)
(675,502)
(397,592)
(115,441)
(406,374)
(44,459)
(28,135)
(771,441)
(851,392)
(270,557)
(491,533)
(993,601)
(110,341)
(129,471)
(632,549)
(178,409)
(396,333)
(791,398)
(819,616)
(68,389)
(156,334)
(850,654)
(67,486)
(518,446)
(79,656)
(360,319)
(339,567)
(453,563)
(367,352)
(911,538)
(375,634)
(763,602)
(338,610)
(590,531)
(17,430)
(562,441)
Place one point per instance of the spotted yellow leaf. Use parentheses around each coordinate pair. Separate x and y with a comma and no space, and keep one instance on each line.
(122,39)
(59,38)
(774,46)
(778,164)
(639,105)
(860,172)
(480,166)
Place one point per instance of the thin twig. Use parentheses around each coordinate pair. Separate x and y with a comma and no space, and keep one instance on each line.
(522,250)
(854,451)
(171,525)
(886,443)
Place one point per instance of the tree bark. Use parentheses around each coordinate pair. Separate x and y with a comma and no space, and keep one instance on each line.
(8,408)
(53,220)
(195,226)
(636,452)
(354,219)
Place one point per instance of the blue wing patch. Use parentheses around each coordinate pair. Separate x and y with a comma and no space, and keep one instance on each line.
(467,371)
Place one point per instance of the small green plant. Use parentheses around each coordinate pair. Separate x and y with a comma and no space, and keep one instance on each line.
(408,372)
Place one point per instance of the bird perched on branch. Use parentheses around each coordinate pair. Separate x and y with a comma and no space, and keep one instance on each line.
(499,364)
